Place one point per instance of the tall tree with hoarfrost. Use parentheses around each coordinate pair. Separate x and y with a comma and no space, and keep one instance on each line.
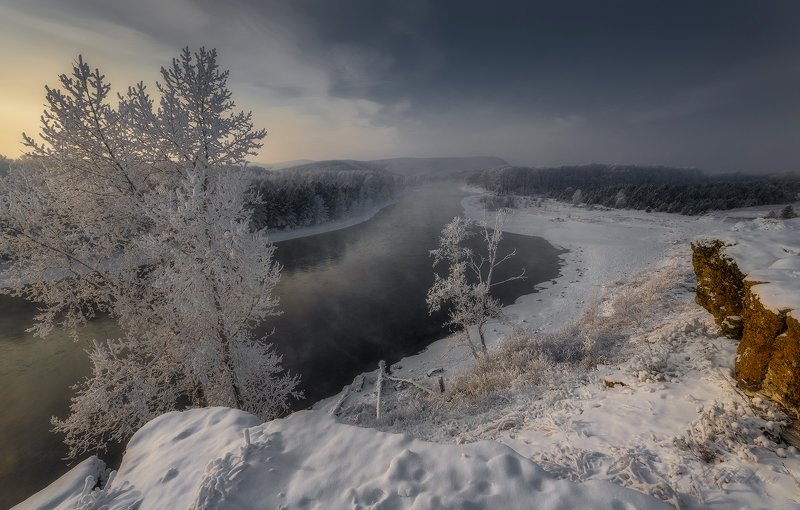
(465,289)
(139,210)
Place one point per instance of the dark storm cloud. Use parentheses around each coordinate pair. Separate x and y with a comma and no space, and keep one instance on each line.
(588,55)
(711,83)
(708,83)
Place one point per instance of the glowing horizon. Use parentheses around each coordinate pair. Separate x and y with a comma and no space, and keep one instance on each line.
(532,83)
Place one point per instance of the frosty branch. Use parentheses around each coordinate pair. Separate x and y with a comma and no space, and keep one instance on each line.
(141,211)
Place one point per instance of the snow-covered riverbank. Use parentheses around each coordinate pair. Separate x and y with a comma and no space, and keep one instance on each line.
(328,226)
(603,247)
(661,414)
(656,413)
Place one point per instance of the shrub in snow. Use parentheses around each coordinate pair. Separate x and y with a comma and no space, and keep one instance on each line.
(520,360)
(724,428)
(602,333)
(142,212)
(94,497)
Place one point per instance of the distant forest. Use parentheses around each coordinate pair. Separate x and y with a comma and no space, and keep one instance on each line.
(663,189)
(317,192)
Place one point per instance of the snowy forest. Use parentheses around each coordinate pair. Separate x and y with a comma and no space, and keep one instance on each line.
(661,189)
(317,192)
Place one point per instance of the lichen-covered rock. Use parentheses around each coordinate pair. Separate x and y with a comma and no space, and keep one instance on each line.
(768,356)
(761,329)
(720,284)
(782,379)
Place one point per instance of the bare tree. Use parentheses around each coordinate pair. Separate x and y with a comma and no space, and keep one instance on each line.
(139,211)
(465,289)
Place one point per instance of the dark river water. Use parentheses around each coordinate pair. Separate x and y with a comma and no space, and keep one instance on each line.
(349,298)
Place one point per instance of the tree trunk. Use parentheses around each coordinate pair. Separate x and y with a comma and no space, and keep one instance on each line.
(470,344)
(227,359)
(483,339)
(200,396)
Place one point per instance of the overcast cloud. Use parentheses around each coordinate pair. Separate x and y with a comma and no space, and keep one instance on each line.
(711,84)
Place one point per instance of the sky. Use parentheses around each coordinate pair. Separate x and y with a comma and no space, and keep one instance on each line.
(699,83)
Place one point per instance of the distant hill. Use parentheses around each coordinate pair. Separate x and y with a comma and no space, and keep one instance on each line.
(438,167)
(335,165)
(284,164)
(410,168)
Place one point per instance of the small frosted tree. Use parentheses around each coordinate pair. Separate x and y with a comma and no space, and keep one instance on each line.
(465,288)
(139,210)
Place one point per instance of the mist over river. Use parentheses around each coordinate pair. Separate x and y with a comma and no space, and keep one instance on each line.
(349,298)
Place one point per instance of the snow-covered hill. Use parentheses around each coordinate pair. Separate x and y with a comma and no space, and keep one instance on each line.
(223,458)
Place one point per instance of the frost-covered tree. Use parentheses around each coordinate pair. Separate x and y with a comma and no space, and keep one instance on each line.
(140,211)
(465,289)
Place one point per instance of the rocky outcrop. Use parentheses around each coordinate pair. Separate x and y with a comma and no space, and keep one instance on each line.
(768,356)
(720,284)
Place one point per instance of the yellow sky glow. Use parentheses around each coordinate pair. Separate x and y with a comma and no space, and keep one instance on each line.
(38,49)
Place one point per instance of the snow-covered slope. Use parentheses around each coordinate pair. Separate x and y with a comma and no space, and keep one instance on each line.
(768,250)
(652,404)
(221,458)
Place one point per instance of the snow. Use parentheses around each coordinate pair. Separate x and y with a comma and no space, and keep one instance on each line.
(674,426)
(656,420)
(766,250)
(604,247)
(308,460)
(67,490)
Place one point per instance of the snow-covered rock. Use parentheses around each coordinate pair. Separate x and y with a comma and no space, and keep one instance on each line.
(749,278)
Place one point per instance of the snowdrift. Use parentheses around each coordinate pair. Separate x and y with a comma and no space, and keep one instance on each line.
(222,458)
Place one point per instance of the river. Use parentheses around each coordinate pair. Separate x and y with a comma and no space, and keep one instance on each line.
(350,298)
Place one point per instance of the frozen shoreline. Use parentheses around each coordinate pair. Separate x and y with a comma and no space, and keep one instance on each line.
(603,247)
(329,226)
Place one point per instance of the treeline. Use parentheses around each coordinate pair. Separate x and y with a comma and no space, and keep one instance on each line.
(663,189)
(689,198)
(317,192)
(520,180)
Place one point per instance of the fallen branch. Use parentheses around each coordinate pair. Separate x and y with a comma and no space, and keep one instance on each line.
(412,383)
